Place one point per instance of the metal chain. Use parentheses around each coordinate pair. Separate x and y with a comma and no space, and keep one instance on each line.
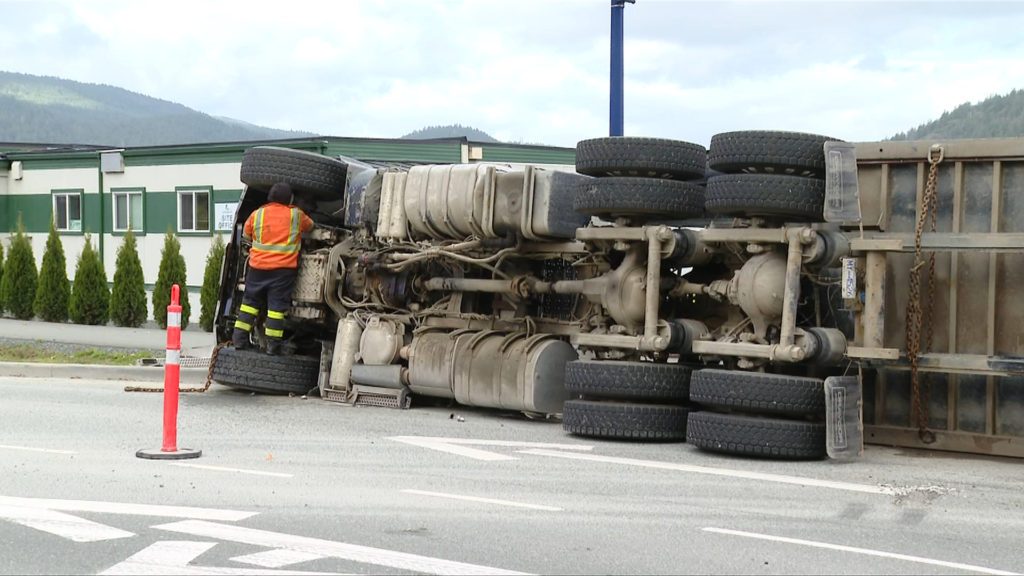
(209,376)
(915,317)
(209,373)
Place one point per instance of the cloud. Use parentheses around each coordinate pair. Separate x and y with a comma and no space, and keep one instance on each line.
(534,71)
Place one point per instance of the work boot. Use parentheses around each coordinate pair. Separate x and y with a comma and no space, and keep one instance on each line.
(273,347)
(240,339)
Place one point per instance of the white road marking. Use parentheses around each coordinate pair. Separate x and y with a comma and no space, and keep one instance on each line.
(238,470)
(129,509)
(59,524)
(30,449)
(459,446)
(328,548)
(168,558)
(277,558)
(761,476)
(866,551)
(484,500)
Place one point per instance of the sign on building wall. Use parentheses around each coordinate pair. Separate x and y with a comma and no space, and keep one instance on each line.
(224,213)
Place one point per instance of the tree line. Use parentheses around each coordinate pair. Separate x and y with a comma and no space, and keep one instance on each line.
(61,124)
(994,117)
(44,109)
(450,131)
(47,293)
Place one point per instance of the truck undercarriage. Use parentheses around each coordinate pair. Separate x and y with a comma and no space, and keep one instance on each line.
(664,291)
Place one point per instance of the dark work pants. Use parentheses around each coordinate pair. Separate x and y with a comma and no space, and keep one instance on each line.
(273,286)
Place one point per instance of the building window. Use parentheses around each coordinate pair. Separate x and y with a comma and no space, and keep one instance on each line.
(67,211)
(194,210)
(128,210)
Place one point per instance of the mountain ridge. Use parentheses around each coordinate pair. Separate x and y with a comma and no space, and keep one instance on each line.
(58,111)
(52,110)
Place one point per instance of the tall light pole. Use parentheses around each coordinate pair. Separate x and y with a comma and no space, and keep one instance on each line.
(615,90)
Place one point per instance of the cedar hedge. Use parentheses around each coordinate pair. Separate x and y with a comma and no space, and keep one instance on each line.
(20,276)
(211,284)
(53,291)
(128,298)
(90,296)
(172,271)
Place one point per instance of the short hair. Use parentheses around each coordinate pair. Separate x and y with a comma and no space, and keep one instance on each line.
(280,192)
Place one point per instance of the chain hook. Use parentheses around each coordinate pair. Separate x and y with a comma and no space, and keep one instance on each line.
(918,319)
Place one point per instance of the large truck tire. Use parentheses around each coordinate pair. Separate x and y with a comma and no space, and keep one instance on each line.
(624,421)
(753,436)
(613,197)
(641,157)
(792,198)
(643,381)
(319,176)
(758,151)
(758,393)
(257,371)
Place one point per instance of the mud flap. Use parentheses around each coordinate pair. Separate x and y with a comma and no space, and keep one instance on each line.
(842,197)
(844,422)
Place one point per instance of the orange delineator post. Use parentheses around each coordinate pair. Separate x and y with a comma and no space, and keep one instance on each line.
(172,377)
(172,372)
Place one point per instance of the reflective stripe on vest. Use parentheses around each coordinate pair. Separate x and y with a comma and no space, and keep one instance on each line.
(290,247)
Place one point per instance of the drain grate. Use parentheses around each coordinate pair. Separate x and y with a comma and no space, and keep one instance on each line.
(184,362)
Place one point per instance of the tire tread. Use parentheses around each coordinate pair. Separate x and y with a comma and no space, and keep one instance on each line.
(625,421)
(753,436)
(641,157)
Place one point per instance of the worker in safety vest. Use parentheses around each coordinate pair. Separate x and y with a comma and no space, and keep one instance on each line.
(275,229)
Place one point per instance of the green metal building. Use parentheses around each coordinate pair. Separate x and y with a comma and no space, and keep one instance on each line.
(191,190)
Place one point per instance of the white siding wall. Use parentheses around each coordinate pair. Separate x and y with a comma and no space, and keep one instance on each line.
(194,249)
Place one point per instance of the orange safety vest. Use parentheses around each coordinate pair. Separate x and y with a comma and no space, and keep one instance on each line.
(276,231)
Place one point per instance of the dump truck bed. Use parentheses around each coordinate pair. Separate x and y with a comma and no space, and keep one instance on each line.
(971,383)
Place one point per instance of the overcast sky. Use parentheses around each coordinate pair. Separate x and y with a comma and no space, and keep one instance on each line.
(530,70)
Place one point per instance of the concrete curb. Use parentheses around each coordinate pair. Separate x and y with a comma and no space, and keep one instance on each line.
(189,376)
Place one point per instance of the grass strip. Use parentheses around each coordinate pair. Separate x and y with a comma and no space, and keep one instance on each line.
(30,352)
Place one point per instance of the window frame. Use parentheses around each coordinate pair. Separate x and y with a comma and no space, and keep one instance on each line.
(181,193)
(68,193)
(138,229)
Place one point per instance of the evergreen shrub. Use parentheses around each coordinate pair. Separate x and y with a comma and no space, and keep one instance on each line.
(1,278)
(20,276)
(53,291)
(172,271)
(90,295)
(128,298)
(211,284)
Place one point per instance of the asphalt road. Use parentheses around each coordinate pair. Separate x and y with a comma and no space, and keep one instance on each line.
(292,484)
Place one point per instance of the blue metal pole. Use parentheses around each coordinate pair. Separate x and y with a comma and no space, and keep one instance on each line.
(615,89)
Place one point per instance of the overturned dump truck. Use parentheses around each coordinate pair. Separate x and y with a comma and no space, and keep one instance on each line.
(776,294)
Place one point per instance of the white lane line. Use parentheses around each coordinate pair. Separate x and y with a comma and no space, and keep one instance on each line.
(460,446)
(30,449)
(237,470)
(761,476)
(865,551)
(59,524)
(328,548)
(277,558)
(484,500)
(130,509)
(167,558)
